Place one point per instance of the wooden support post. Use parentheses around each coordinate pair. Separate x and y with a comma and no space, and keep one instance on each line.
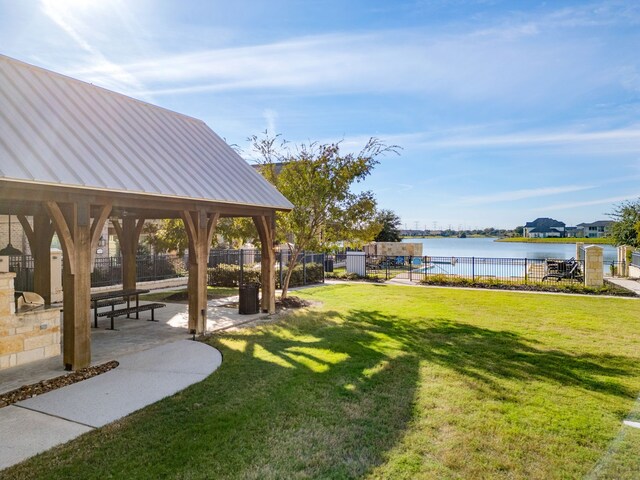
(129,236)
(39,237)
(200,228)
(266,232)
(73,224)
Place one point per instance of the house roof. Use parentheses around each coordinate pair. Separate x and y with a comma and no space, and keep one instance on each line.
(599,223)
(543,230)
(544,222)
(55,130)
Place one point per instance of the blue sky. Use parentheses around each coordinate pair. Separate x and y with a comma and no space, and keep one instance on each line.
(506,111)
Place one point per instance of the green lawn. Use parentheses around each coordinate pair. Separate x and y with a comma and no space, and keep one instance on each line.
(394,382)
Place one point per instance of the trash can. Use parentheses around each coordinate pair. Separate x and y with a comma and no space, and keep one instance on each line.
(249,302)
(328,265)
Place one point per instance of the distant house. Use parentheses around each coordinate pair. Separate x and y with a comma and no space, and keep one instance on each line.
(573,232)
(599,229)
(544,228)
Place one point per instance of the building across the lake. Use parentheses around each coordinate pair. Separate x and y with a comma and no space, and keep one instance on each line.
(544,227)
(599,229)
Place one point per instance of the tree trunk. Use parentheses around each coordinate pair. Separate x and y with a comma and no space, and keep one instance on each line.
(293,261)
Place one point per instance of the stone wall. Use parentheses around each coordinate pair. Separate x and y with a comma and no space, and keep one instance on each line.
(394,249)
(25,336)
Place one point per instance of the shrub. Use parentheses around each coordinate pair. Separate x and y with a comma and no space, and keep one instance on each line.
(453,281)
(314,273)
(225,275)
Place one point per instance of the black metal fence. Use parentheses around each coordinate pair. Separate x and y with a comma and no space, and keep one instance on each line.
(108,270)
(225,268)
(475,269)
(22,266)
(230,268)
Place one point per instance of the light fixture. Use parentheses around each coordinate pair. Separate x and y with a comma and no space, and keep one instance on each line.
(10,250)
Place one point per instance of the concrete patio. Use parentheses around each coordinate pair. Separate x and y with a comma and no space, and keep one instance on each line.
(131,336)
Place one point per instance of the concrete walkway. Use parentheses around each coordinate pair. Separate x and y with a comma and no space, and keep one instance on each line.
(132,336)
(142,378)
(633,285)
(157,359)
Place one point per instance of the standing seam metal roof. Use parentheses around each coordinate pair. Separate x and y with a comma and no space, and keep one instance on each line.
(59,130)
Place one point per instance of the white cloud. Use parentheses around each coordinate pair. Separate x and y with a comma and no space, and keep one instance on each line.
(588,203)
(540,138)
(68,16)
(513,195)
(463,66)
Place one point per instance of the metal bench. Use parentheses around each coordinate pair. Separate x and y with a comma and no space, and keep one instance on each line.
(105,303)
(128,311)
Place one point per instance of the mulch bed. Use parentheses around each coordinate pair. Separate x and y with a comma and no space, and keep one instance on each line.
(289,302)
(28,391)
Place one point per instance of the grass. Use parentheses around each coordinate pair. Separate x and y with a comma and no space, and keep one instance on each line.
(180,295)
(393,382)
(588,241)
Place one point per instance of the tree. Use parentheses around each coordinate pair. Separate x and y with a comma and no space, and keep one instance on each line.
(317,179)
(627,219)
(390,223)
(237,231)
(171,235)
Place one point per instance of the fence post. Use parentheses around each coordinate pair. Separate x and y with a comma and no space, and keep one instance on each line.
(410,277)
(155,266)
(304,268)
(324,259)
(473,269)
(241,262)
(386,267)
(526,271)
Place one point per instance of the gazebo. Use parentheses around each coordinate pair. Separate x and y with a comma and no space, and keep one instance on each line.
(73,155)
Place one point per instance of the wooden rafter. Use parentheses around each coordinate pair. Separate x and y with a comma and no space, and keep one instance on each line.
(64,234)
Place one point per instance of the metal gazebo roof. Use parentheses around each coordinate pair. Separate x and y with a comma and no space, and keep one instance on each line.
(58,131)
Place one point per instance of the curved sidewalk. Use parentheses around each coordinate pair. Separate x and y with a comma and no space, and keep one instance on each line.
(142,378)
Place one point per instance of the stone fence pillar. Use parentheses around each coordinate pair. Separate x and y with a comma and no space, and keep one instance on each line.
(593,266)
(624,254)
(579,246)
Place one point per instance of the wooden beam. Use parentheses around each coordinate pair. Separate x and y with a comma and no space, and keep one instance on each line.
(147,206)
(28,231)
(128,237)
(200,228)
(39,237)
(73,224)
(64,234)
(265,227)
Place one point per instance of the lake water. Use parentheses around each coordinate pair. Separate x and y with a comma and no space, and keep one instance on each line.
(488,247)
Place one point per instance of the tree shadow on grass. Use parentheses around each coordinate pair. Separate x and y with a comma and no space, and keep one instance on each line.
(306,398)
(484,354)
(318,395)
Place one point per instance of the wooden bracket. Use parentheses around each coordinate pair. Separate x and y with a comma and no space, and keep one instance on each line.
(64,234)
